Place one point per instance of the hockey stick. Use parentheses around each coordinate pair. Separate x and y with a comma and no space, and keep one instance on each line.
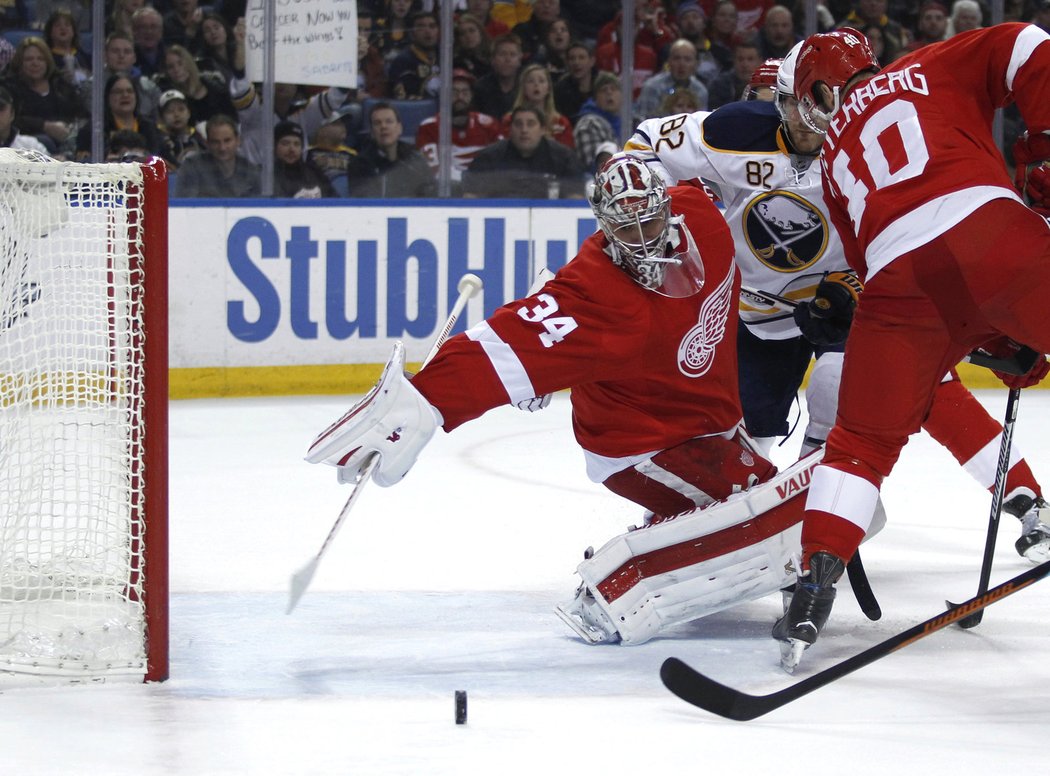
(858,580)
(1019,363)
(468,287)
(764,297)
(694,687)
(998,491)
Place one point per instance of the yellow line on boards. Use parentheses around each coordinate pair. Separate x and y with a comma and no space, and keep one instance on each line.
(329,379)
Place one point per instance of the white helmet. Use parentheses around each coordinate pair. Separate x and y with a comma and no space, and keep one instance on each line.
(786,71)
(633,210)
(784,94)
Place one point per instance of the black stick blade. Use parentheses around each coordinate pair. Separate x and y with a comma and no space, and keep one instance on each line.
(702,691)
(705,693)
(967,622)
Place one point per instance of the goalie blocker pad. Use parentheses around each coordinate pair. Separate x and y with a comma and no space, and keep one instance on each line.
(393,420)
(696,563)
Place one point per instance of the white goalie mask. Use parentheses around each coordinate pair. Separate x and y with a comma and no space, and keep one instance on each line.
(646,241)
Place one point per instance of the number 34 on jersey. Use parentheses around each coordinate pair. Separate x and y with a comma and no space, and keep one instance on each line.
(556,327)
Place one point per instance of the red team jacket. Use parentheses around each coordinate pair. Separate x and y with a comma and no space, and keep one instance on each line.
(480,130)
(925,121)
(647,372)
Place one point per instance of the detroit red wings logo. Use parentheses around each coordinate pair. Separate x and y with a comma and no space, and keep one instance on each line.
(697,349)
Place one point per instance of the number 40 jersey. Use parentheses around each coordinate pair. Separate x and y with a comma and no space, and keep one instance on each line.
(773,200)
(910,153)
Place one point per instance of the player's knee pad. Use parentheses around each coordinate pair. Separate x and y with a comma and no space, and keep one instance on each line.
(393,420)
(822,395)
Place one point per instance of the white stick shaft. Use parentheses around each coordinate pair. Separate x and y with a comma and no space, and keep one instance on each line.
(302,578)
(469,285)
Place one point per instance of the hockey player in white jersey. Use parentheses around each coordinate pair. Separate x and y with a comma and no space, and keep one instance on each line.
(760,160)
(760,164)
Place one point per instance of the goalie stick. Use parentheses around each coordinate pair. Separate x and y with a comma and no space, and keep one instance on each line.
(694,687)
(468,287)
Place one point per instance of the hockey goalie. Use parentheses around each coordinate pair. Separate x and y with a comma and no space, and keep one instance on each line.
(641,326)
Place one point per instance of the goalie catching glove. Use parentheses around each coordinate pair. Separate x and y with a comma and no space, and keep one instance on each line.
(826,319)
(394,421)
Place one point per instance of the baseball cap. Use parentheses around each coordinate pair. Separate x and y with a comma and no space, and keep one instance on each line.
(605,78)
(168,96)
(286,128)
(459,74)
(689,7)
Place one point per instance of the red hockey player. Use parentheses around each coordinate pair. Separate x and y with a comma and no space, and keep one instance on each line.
(642,330)
(951,257)
(641,325)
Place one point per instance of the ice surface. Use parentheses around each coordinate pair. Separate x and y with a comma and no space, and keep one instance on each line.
(446,582)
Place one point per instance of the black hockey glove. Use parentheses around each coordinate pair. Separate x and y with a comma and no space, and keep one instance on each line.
(825,320)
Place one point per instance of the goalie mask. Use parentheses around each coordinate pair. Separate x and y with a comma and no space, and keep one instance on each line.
(832,59)
(646,241)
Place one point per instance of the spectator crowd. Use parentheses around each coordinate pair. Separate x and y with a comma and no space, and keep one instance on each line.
(536,86)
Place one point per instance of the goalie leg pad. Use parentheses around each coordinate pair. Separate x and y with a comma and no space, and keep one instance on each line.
(393,420)
(696,563)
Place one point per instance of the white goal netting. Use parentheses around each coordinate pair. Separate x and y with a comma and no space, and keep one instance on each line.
(72,400)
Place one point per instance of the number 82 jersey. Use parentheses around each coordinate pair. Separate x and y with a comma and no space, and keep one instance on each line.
(772,200)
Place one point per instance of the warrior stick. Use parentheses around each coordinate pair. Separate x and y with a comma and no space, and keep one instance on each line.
(704,692)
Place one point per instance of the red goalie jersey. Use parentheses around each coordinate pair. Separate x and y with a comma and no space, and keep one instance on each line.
(647,372)
(925,122)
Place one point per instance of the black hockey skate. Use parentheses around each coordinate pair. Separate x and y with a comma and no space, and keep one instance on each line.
(805,616)
(1034,543)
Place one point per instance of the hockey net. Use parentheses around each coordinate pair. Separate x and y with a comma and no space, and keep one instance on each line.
(83,420)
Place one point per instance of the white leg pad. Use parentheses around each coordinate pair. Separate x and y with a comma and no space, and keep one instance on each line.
(393,420)
(694,564)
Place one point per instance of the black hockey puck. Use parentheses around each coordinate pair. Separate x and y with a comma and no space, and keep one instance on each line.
(461,707)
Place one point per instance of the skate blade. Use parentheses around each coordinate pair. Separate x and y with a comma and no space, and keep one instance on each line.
(590,635)
(791,654)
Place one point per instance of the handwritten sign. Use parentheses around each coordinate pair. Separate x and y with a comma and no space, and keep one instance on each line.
(315,41)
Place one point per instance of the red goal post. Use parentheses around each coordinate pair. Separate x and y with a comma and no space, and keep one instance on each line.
(83,421)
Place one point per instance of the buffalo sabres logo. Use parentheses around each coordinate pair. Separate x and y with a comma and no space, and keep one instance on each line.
(786,232)
(697,349)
